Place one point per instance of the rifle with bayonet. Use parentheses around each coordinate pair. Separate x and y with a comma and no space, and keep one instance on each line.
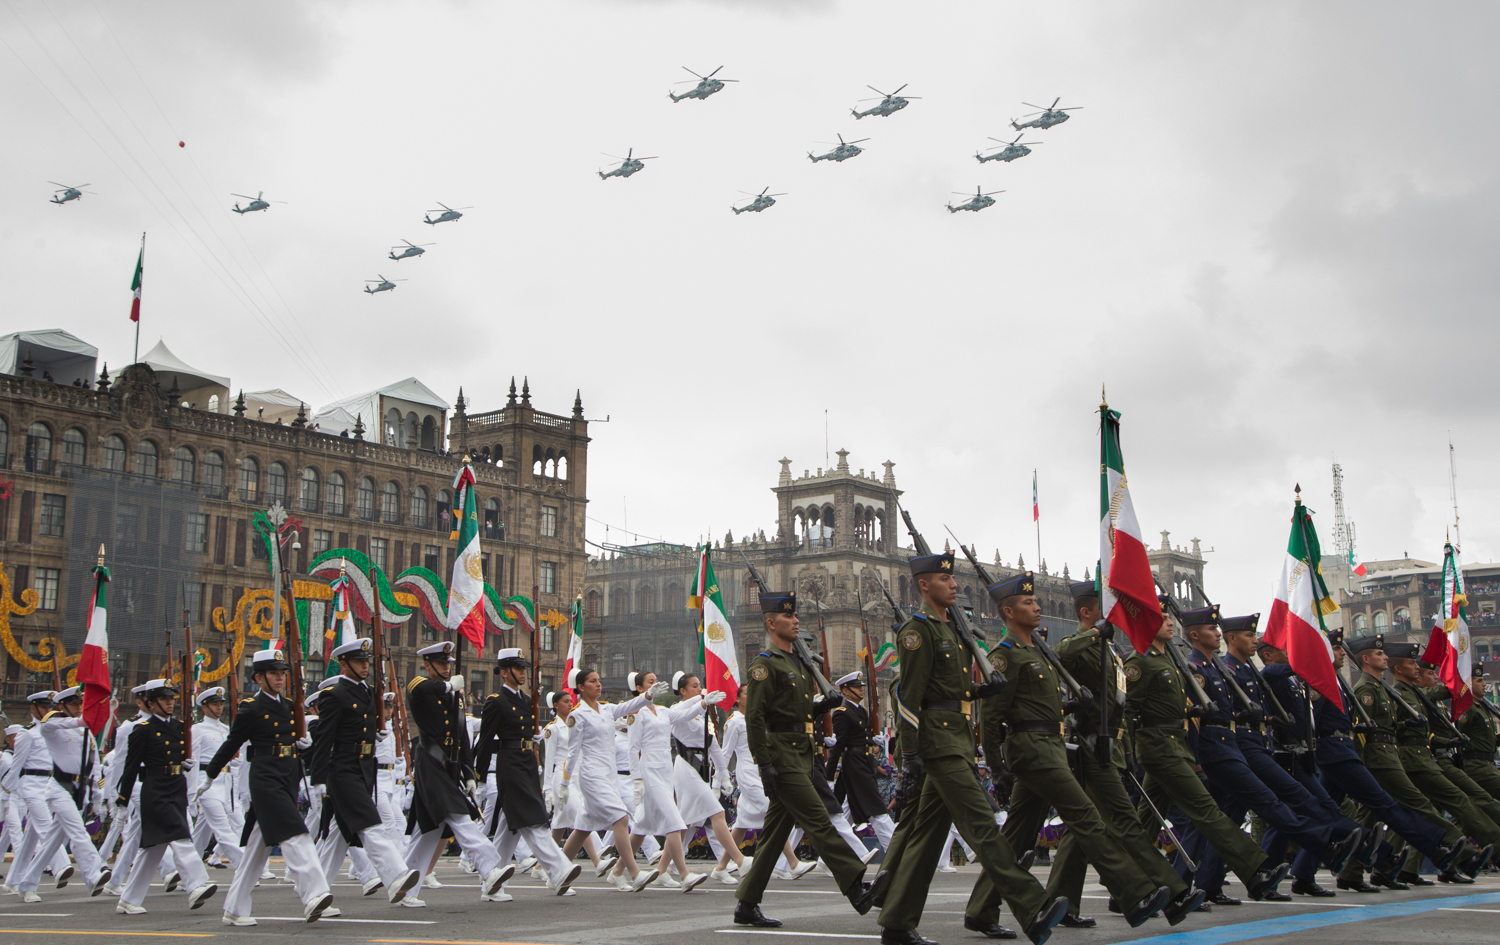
(895,607)
(956,615)
(831,697)
(1279,712)
(1189,680)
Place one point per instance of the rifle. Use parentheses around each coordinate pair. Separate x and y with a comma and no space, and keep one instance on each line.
(870,659)
(956,614)
(895,607)
(232,684)
(398,715)
(294,641)
(377,647)
(171,663)
(1281,715)
(799,646)
(1364,715)
(823,643)
(1390,691)
(1188,679)
(536,682)
(1432,710)
(189,684)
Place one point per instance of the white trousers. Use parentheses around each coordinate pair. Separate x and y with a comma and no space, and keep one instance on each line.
(884,829)
(148,860)
(946,858)
(382,853)
(216,822)
(67,825)
(30,802)
(470,838)
(840,824)
(543,847)
(302,863)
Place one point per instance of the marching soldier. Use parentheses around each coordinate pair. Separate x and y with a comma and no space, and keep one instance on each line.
(440,760)
(779,713)
(507,735)
(1478,725)
(854,743)
(934,701)
(219,820)
(157,753)
(343,763)
(1451,759)
(265,722)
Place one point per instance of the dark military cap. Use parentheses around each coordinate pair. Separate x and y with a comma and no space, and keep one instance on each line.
(1402,651)
(1426,665)
(1360,644)
(1234,624)
(1477,672)
(784,602)
(1017,586)
(1336,637)
(931,564)
(1203,616)
(1083,589)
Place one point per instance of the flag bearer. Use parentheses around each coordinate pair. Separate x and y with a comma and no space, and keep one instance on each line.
(1478,725)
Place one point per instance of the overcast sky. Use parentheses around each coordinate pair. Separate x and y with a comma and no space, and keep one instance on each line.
(1271,229)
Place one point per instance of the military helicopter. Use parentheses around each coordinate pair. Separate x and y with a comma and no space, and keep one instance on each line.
(382,284)
(64,193)
(760,202)
(1009,150)
(889,105)
(976,203)
(1051,115)
(256,203)
(629,164)
(707,85)
(843,152)
(448,213)
(412,249)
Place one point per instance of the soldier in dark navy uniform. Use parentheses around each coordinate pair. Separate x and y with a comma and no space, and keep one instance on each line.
(157,753)
(507,736)
(265,722)
(855,746)
(445,786)
(343,763)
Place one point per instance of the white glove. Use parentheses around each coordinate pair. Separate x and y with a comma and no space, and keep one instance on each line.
(622,725)
(456,684)
(202,789)
(818,699)
(638,792)
(304,743)
(562,794)
(471,787)
(829,741)
(714,698)
(658,690)
(548,800)
(382,735)
(725,787)
(319,791)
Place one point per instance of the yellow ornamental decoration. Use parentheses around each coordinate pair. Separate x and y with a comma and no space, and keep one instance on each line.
(715,632)
(50,649)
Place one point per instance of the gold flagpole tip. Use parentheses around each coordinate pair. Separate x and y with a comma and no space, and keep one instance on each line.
(1103,400)
(101,554)
(1298,490)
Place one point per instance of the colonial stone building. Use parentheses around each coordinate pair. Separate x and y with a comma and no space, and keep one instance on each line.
(1402,598)
(171,491)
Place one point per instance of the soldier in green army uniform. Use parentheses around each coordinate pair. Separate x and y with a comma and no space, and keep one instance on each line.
(934,705)
(779,711)
(1156,699)
(1032,709)
(1478,725)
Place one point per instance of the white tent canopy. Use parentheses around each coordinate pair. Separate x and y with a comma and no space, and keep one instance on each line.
(409,398)
(51,349)
(196,387)
(272,405)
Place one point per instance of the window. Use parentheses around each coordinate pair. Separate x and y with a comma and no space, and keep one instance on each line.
(1382,621)
(249,480)
(127,527)
(309,492)
(192,600)
(444,510)
(47,582)
(195,536)
(183,465)
(146,459)
(419,516)
(378,549)
(390,504)
(322,541)
(259,550)
(335,493)
(429,635)
(492,526)
(547,578)
(112,458)
(276,483)
(592,605)
(544,636)
(54,509)
(213,474)
(73,447)
(39,441)
(430,555)
(1361,622)
(549,521)
(4,447)
(364,502)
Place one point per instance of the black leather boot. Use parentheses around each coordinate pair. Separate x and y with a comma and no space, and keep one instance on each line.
(1148,907)
(987,929)
(1184,905)
(748,913)
(1041,927)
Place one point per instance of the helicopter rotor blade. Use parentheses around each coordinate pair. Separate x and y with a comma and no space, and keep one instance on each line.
(727,80)
(856,141)
(699,76)
(1055,101)
(874,89)
(242,197)
(1037,107)
(776,195)
(992,192)
(651,158)
(713,73)
(903,85)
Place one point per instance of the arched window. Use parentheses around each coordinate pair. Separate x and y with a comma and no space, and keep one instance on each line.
(335,493)
(276,483)
(38,445)
(1361,623)
(492,527)
(213,474)
(309,491)
(393,427)
(364,500)
(497,453)
(591,604)
(184,465)
(445,510)
(562,465)
(73,448)
(536,460)
(390,504)
(549,465)
(145,458)
(249,480)
(1382,621)
(619,602)
(645,599)
(112,457)
(1403,618)
(420,516)
(673,600)
(4,441)
(429,433)
(213,402)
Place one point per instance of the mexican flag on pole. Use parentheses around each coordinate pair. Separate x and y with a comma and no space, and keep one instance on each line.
(341,627)
(135,283)
(93,662)
(1127,592)
(1449,646)
(466,588)
(721,667)
(575,643)
(1302,599)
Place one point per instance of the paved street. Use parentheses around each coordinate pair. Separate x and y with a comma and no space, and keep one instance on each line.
(811,908)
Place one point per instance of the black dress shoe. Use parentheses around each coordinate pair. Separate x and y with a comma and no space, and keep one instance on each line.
(1027,858)
(1184,905)
(1266,880)
(1071,921)
(1449,856)
(904,937)
(1336,854)
(1369,851)
(1415,879)
(748,913)
(1310,887)
(1458,879)
(1114,906)
(988,929)
(1356,885)
(1041,927)
(1276,895)
(864,900)
(1222,899)
(1480,861)
(1148,907)
(1388,881)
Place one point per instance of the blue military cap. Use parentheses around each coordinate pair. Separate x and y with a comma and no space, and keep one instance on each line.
(1336,637)
(931,564)
(1233,624)
(784,602)
(1360,644)
(1202,617)
(1083,589)
(1017,586)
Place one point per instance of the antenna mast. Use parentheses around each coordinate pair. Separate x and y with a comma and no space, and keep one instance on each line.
(1458,540)
(1343,529)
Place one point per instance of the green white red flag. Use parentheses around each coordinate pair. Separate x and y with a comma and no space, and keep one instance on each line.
(93,661)
(1302,600)
(341,627)
(135,283)
(466,588)
(721,666)
(1127,591)
(575,644)
(1449,647)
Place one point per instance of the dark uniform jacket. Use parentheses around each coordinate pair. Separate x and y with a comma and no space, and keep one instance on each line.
(1332,719)
(1252,732)
(934,702)
(1379,746)
(1156,701)
(506,734)
(1479,725)
(856,780)
(440,755)
(779,711)
(343,755)
(265,721)
(155,753)
(1216,732)
(1080,655)
(1030,708)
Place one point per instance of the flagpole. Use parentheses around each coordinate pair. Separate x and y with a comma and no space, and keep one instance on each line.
(137,359)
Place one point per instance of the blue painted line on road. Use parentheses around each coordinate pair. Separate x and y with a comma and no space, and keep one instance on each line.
(1266,928)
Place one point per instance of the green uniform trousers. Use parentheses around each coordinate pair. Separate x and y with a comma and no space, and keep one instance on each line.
(1398,784)
(1465,781)
(1170,777)
(1484,773)
(951,797)
(797,803)
(1428,778)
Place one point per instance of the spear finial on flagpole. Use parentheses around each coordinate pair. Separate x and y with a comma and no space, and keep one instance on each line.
(1298,490)
(101,554)
(1103,400)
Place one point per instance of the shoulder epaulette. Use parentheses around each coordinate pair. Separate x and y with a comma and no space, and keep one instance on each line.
(416,681)
(493,695)
(247,700)
(764,653)
(841,708)
(1006,643)
(49,715)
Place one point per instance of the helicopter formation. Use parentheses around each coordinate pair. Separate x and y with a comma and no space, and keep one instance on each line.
(410,250)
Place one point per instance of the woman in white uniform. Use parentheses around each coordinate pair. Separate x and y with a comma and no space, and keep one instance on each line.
(656,810)
(590,771)
(557,738)
(750,809)
(697,801)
